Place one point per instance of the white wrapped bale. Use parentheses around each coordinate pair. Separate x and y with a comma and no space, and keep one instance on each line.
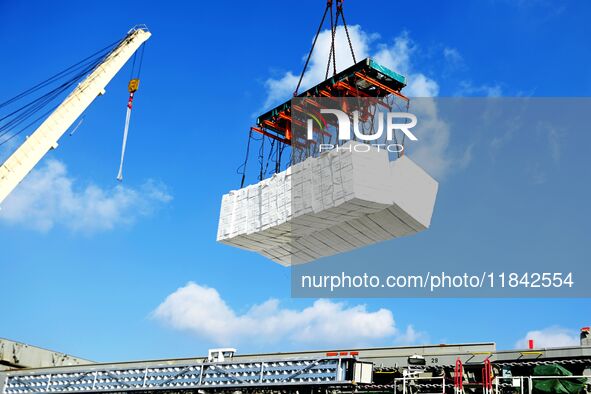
(415,193)
(342,200)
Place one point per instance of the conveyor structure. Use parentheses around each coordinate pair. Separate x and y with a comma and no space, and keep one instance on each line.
(196,375)
(445,369)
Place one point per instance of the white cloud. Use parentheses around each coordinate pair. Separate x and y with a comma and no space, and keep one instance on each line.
(282,89)
(202,311)
(432,151)
(467,88)
(410,336)
(453,57)
(549,337)
(397,56)
(555,137)
(48,197)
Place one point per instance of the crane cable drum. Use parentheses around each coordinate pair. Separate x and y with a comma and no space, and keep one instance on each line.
(132,87)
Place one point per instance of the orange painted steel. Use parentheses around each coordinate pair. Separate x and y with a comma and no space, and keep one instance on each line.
(381,85)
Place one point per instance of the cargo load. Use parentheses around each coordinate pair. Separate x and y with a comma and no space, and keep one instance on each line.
(343,199)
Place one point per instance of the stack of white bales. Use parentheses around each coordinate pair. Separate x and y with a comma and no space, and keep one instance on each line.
(344,199)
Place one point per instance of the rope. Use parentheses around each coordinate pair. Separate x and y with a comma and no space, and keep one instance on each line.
(129,107)
(328,5)
(340,10)
(243,166)
(143,48)
(57,76)
(271,151)
(29,125)
(125,132)
(25,112)
(131,74)
(333,29)
(140,51)
(31,109)
(280,155)
(277,150)
(261,158)
(50,95)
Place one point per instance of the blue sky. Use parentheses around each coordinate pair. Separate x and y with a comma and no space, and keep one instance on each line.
(91,289)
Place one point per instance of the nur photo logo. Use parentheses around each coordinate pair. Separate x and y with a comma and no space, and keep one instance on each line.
(382,134)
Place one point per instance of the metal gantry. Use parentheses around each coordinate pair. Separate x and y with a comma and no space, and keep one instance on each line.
(332,371)
(449,369)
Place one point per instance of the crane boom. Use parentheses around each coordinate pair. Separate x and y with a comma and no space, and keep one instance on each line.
(45,137)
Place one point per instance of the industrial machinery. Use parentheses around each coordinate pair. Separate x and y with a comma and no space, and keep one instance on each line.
(454,368)
(320,190)
(97,75)
(278,132)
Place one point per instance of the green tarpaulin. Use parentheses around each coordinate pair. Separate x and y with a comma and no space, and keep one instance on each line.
(563,386)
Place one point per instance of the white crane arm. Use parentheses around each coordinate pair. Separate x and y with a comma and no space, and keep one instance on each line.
(45,137)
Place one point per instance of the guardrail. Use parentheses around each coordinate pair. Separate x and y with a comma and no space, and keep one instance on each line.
(407,380)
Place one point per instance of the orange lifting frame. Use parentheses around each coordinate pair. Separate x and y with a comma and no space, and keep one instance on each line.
(276,123)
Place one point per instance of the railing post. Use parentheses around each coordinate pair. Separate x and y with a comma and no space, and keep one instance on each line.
(404,385)
(145,377)
(201,374)
(48,382)
(529,385)
(262,372)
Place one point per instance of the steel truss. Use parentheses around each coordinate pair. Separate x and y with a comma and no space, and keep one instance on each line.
(334,371)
